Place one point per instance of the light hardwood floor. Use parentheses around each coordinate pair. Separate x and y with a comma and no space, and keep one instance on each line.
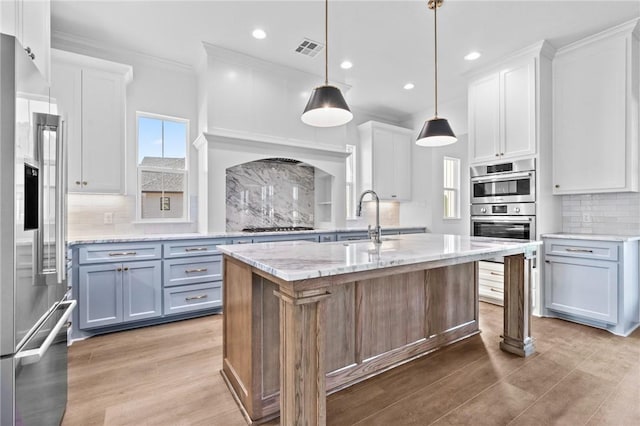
(169,375)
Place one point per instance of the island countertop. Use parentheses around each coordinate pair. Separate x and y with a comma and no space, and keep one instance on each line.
(299,260)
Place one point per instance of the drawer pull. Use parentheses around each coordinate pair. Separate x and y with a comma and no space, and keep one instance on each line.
(189,271)
(123,253)
(202,296)
(575,250)
(196,249)
(496,290)
(496,273)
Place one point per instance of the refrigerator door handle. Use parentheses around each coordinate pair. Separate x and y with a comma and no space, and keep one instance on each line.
(61,189)
(32,356)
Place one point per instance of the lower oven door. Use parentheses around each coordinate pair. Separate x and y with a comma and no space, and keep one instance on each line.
(512,227)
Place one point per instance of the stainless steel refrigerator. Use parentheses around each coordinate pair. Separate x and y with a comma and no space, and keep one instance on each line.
(34,307)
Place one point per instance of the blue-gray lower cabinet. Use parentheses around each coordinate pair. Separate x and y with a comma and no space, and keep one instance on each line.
(119,292)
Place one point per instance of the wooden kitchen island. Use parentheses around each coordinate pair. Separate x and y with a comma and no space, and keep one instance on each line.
(305,319)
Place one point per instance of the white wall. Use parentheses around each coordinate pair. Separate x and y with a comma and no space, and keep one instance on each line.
(159,87)
(425,207)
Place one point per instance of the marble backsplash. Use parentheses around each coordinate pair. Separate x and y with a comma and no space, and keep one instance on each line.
(615,213)
(269,193)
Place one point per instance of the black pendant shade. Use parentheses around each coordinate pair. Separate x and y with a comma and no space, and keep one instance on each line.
(326,108)
(436,132)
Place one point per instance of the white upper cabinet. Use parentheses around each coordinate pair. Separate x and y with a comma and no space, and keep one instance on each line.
(91,96)
(385,160)
(502,113)
(30,22)
(595,115)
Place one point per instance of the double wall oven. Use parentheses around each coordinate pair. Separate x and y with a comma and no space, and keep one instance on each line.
(503,205)
(503,200)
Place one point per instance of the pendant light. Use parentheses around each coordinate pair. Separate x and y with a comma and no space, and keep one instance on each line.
(436,131)
(326,106)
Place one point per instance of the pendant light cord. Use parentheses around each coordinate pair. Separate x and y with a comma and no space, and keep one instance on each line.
(435,36)
(326,42)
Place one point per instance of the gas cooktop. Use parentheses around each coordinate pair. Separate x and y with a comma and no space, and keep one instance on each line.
(276,228)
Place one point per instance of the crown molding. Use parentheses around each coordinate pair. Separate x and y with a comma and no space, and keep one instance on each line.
(541,48)
(86,46)
(631,28)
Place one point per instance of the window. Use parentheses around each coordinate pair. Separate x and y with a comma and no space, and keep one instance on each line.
(451,185)
(350,179)
(162,167)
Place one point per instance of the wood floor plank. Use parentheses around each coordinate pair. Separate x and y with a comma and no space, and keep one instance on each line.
(169,375)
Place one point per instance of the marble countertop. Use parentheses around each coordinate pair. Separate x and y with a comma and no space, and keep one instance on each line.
(594,237)
(298,260)
(190,236)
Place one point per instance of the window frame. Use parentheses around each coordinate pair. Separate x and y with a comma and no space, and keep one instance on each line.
(454,189)
(352,159)
(186,217)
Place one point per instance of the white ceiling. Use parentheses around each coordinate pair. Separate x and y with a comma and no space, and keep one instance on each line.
(389,42)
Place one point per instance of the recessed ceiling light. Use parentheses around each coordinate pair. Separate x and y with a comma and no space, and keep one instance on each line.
(345,65)
(472,56)
(259,34)
(409,86)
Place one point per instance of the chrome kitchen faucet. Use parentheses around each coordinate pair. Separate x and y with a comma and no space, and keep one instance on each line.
(377,231)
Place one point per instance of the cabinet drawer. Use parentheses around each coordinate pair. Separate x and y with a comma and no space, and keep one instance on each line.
(354,236)
(193,297)
(191,248)
(101,253)
(583,249)
(190,271)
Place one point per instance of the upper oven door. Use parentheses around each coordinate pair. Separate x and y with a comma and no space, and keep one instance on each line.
(504,188)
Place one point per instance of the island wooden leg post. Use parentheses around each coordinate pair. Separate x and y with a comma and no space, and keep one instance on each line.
(516,337)
(302,350)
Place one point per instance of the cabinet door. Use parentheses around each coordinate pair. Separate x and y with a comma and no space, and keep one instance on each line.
(517,115)
(584,288)
(100,295)
(66,92)
(383,173)
(34,17)
(142,290)
(102,131)
(401,167)
(589,145)
(484,119)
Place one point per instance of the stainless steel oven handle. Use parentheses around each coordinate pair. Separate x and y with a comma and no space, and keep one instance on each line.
(500,178)
(32,356)
(502,219)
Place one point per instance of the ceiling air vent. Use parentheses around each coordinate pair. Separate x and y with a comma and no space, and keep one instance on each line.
(309,48)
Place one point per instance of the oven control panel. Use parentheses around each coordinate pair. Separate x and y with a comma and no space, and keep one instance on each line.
(506,209)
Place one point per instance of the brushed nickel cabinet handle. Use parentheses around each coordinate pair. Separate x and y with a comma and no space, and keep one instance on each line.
(496,291)
(122,253)
(77,182)
(189,271)
(575,250)
(496,273)
(202,296)
(557,186)
(497,155)
(119,269)
(196,249)
(126,268)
